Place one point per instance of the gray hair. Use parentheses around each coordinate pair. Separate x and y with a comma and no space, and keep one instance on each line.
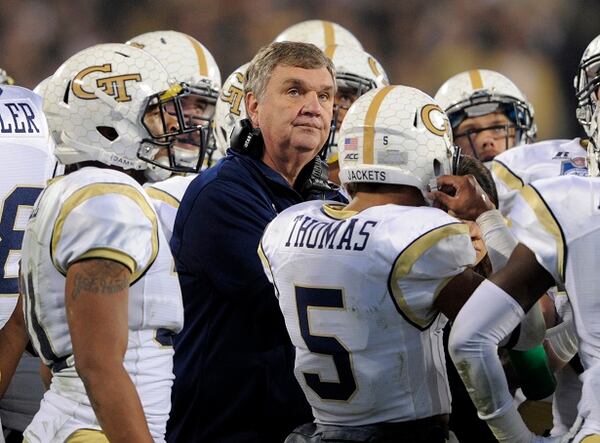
(295,54)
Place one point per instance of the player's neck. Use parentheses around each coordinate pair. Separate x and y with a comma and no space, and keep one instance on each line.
(396,195)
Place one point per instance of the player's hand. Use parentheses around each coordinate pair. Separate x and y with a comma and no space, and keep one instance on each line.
(462,195)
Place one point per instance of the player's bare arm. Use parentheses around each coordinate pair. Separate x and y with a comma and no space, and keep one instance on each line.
(96,298)
(13,340)
(456,293)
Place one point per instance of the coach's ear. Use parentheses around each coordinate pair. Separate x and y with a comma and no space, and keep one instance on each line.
(252,108)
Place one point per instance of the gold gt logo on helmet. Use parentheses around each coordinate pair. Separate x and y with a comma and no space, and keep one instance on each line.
(234,95)
(434,119)
(115,86)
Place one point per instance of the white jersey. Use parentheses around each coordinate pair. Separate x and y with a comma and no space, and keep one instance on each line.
(166,196)
(357,292)
(559,220)
(26,152)
(522,165)
(99,213)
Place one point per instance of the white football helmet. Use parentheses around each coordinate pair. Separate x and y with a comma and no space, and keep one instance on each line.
(396,135)
(115,104)
(40,89)
(5,79)
(479,92)
(230,108)
(356,73)
(188,62)
(320,33)
(586,83)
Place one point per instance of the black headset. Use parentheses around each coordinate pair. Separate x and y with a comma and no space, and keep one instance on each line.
(247,139)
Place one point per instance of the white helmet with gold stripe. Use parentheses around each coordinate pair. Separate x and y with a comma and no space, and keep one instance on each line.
(321,33)
(230,107)
(479,92)
(395,135)
(188,62)
(356,73)
(115,104)
(185,59)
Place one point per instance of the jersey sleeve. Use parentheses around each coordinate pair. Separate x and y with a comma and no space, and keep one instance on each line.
(424,268)
(166,206)
(106,220)
(508,184)
(534,225)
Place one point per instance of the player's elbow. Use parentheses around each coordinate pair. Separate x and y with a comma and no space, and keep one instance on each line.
(96,367)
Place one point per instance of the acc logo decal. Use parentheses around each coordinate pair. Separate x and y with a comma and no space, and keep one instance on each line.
(115,86)
(434,119)
(234,95)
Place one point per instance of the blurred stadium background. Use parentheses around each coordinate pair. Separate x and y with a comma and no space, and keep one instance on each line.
(536,43)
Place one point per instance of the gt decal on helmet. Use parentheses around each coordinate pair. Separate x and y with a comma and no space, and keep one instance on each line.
(230,107)
(434,119)
(115,86)
(234,94)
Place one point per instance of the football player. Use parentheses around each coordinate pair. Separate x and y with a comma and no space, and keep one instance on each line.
(554,222)
(190,63)
(488,113)
(28,162)
(362,286)
(100,300)
(514,169)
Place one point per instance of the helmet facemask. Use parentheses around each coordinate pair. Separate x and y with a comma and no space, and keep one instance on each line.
(586,85)
(593,146)
(521,128)
(176,132)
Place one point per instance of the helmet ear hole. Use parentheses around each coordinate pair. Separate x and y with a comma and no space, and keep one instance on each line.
(437,167)
(108,132)
(66,96)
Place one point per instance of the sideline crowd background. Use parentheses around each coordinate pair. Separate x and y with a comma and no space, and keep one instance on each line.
(535,43)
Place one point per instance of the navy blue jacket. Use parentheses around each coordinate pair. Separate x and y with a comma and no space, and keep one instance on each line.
(233,360)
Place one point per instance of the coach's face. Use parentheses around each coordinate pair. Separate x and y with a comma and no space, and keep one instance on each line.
(295,113)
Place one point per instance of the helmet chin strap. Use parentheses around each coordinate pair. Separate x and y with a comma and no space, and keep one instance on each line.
(155,173)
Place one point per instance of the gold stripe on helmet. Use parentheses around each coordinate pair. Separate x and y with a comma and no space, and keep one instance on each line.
(369,130)
(329,33)
(201,56)
(373,66)
(476,80)
(329,51)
